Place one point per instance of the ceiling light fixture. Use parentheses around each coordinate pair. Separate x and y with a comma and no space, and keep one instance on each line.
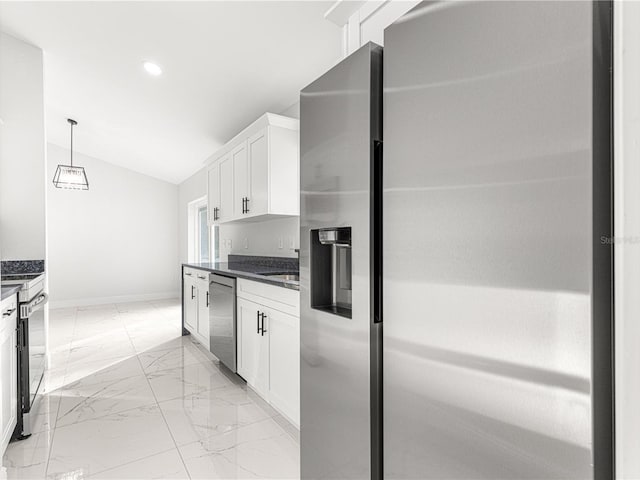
(68,176)
(152,69)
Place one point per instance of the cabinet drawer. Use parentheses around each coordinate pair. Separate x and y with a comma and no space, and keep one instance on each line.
(8,323)
(272,296)
(196,274)
(202,280)
(191,272)
(9,303)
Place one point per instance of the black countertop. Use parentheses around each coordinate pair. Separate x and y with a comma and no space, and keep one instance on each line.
(8,290)
(249,271)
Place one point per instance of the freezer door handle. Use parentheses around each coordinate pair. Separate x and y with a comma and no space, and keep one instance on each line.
(376,231)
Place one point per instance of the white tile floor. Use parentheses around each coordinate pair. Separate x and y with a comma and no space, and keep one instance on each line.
(127,397)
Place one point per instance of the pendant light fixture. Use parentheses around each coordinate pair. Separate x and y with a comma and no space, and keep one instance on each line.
(68,176)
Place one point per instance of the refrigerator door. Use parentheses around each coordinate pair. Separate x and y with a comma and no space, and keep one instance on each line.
(336,133)
(487,227)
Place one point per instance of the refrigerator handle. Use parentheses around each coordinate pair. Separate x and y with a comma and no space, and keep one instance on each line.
(376,231)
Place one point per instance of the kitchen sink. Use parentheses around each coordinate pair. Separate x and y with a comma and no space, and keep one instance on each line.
(284,276)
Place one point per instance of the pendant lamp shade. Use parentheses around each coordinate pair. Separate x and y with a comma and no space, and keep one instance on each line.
(70,176)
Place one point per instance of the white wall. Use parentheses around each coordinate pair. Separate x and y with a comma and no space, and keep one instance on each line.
(627,233)
(22,151)
(293,111)
(115,242)
(191,189)
(274,238)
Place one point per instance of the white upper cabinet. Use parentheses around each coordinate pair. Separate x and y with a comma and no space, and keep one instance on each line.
(258,175)
(255,175)
(213,182)
(240,174)
(225,212)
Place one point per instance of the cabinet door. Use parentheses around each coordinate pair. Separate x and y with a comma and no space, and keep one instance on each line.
(203,312)
(190,304)
(240,179)
(9,383)
(253,346)
(226,189)
(284,363)
(213,192)
(258,161)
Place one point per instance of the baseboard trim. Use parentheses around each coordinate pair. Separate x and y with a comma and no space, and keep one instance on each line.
(86,302)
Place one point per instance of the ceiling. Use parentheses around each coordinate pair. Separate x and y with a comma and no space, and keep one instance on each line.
(224,64)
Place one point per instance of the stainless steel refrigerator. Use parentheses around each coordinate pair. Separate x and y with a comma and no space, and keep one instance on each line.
(455,271)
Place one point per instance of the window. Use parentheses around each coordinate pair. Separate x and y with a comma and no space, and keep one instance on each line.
(201,237)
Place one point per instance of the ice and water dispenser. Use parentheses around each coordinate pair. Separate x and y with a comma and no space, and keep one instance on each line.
(330,285)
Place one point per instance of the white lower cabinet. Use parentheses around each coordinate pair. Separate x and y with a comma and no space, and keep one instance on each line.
(202,328)
(8,372)
(196,304)
(269,344)
(253,342)
(284,363)
(190,298)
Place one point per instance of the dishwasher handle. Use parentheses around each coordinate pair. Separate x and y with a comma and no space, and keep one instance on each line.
(219,280)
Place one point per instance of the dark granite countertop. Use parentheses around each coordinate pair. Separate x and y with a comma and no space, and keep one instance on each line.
(15,273)
(253,270)
(8,290)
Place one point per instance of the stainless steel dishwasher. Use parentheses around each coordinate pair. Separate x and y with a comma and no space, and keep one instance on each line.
(222,319)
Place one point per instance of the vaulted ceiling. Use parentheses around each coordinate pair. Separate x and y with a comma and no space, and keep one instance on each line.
(224,64)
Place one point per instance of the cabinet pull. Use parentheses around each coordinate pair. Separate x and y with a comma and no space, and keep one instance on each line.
(202,277)
(246,204)
(263,330)
(207,299)
(258,321)
(8,312)
(188,273)
(192,295)
(217,213)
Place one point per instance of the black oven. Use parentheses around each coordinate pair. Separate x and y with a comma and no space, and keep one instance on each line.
(31,358)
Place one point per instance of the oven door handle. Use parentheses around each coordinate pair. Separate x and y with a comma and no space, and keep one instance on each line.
(34,305)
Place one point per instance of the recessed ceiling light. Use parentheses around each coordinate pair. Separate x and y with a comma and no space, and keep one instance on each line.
(152,69)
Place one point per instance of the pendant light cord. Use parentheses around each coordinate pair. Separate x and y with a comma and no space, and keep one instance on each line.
(72,144)
(72,123)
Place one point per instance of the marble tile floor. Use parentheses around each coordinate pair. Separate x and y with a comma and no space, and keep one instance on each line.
(127,397)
